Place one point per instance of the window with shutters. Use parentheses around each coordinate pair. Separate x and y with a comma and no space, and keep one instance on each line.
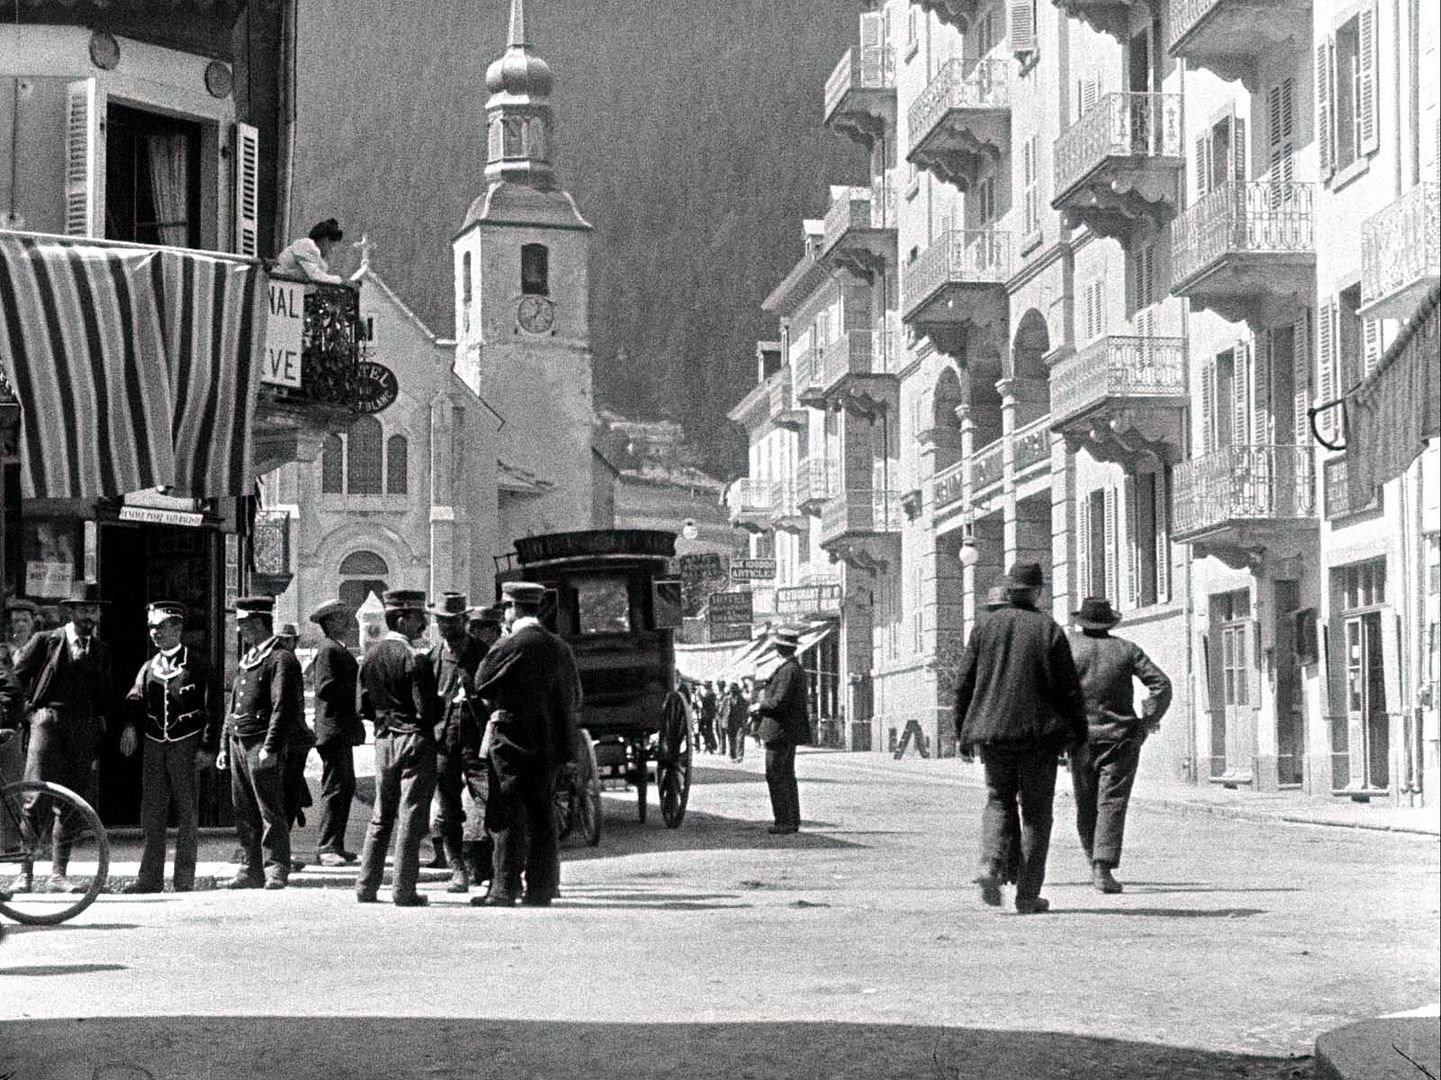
(1358,340)
(1221,153)
(983,32)
(1347,99)
(1088,93)
(983,202)
(1031,188)
(1093,310)
(913,30)
(1021,16)
(1142,276)
(1281,137)
(152,178)
(1149,543)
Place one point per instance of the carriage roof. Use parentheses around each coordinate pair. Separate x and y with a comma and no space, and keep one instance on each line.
(594,546)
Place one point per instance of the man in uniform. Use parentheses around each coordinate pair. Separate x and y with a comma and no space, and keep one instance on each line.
(398,695)
(180,731)
(484,630)
(267,703)
(784,725)
(530,680)
(1104,768)
(65,674)
(338,730)
(454,659)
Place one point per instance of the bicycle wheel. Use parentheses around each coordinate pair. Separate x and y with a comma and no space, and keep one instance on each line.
(58,891)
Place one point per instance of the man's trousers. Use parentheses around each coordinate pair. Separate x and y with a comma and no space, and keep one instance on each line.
(63,748)
(1102,774)
(258,791)
(449,822)
(520,814)
(781,779)
(337,792)
(404,784)
(168,778)
(1016,823)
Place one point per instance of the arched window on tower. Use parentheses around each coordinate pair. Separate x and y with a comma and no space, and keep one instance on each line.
(514,137)
(535,270)
(332,466)
(465,282)
(362,466)
(535,139)
(397,464)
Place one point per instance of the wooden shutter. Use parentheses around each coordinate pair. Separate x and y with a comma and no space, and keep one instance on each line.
(84,159)
(1371,350)
(247,190)
(1325,118)
(1240,393)
(1210,437)
(1023,27)
(1112,545)
(1301,379)
(1203,164)
(1281,131)
(1083,546)
(873,47)
(1367,123)
(1163,534)
(1327,422)
(1088,92)
(1133,545)
(1261,418)
(1236,167)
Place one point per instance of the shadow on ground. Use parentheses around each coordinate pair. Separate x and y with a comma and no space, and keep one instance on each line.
(623,834)
(232,1048)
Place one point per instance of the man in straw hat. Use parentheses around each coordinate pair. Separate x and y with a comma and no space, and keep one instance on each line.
(1018,701)
(65,674)
(180,730)
(1104,768)
(784,725)
(338,730)
(531,682)
(455,659)
(398,694)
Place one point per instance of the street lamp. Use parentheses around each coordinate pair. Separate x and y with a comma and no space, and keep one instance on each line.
(969,556)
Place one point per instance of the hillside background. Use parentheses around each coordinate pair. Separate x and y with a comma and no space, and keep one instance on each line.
(689,132)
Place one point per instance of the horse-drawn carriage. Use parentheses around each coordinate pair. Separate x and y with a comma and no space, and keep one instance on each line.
(611,595)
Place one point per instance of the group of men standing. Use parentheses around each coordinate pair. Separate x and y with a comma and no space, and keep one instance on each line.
(722,716)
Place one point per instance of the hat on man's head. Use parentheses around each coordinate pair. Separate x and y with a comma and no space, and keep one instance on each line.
(287,629)
(522,592)
(84,592)
(329,229)
(487,616)
(1096,614)
(404,600)
(162,611)
(996,596)
(1026,575)
(787,638)
(247,606)
(451,605)
(329,608)
(19,603)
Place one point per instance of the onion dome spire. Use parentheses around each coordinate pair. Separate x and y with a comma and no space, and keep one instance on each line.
(519,121)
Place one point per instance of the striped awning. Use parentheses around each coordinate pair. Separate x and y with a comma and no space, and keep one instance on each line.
(135,367)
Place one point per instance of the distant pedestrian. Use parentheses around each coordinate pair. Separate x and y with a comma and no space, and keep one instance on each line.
(784,724)
(707,722)
(338,730)
(399,696)
(21,616)
(1018,700)
(1104,767)
(455,660)
(297,753)
(737,719)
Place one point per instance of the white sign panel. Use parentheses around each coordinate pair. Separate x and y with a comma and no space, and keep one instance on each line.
(282,334)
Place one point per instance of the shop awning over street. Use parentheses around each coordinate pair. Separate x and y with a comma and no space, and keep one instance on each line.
(135,367)
(707,662)
(760,660)
(1390,416)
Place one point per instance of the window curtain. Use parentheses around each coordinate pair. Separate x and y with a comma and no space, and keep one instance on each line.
(169,154)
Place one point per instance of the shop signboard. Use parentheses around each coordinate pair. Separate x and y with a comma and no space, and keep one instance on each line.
(730,607)
(822,599)
(730,632)
(701,574)
(283,327)
(744,570)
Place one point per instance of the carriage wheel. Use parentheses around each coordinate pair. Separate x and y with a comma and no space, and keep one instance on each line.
(586,801)
(673,762)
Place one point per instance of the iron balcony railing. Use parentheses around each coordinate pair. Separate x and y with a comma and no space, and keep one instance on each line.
(1118,367)
(860,352)
(1401,245)
(859,208)
(872,67)
(962,257)
(987,466)
(778,392)
(1031,444)
(1243,217)
(1243,484)
(813,481)
(747,497)
(330,346)
(985,86)
(783,500)
(948,485)
(858,512)
(1119,125)
(807,374)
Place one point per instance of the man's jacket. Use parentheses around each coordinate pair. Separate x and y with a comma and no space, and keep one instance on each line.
(398,689)
(782,710)
(531,682)
(268,697)
(51,677)
(172,694)
(337,721)
(1106,665)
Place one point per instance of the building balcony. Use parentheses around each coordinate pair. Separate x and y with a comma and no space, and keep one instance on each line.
(813,486)
(960,120)
(1122,398)
(1030,449)
(749,504)
(754,409)
(1121,163)
(859,370)
(1399,254)
(1247,251)
(861,94)
(781,405)
(1232,37)
(863,528)
(860,231)
(988,469)
(1245,502)
(958,281)
(785,512)
(948,487)
(955,13)
(1108,16)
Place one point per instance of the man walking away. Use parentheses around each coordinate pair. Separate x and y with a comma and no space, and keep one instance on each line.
(267,702)
(455,660)
(1018,700)
(338,730)
(784,725)
(708,717)
(1103,770)
(398,694)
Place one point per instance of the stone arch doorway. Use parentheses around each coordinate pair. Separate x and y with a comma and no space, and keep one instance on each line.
(1032,378)
(361,573)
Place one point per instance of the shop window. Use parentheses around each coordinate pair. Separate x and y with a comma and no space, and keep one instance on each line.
(535,270)
(397,454)
(152,178)
(363,457)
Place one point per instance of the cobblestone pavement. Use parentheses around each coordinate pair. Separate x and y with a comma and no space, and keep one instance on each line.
(856,949)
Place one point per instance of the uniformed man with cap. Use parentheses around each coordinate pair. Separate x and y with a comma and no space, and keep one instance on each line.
(398,693)
(267,703)
(784,725)
(338,730)
(180,731)
(529,679)
(484,630)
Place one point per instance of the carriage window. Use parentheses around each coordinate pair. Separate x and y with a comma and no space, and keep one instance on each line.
(603,605)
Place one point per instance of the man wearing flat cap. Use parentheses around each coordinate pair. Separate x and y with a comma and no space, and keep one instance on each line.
(65,674)
(531,682)
(1103,770)
(784,725)
(1018,701)
(338,730)
(398,695)
(267,704)
(177,730)
(455,659)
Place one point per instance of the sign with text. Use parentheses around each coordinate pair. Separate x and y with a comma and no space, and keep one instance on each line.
(808,599)
(282,334)
(701,574)
(730,607)
(730,632)
(753,570)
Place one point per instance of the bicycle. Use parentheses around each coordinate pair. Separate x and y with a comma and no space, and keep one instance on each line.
(85,870)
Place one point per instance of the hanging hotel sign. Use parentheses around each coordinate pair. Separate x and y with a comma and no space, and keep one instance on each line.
(283,327)
(753,570)
(377,387)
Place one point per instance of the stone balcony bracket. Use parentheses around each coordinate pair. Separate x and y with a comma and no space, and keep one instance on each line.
(1123,399)
(1111,17)
(955,13)
(860,95)
(961,121)
(1231,38)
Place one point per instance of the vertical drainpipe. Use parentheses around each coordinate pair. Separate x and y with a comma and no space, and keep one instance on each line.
(1188,609)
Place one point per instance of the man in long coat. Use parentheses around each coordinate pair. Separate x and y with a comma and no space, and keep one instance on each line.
(455,659)
(338,730)
(1103,770)
(484,630)
(530,680)
(1018,701)
(784,725)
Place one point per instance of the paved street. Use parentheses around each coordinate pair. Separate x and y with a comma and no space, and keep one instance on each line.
(856,949)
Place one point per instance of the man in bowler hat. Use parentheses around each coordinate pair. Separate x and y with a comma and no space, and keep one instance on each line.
(1018,701)
(338,730)
(1104,768)
(455,659)
(784,725)
(398,694)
